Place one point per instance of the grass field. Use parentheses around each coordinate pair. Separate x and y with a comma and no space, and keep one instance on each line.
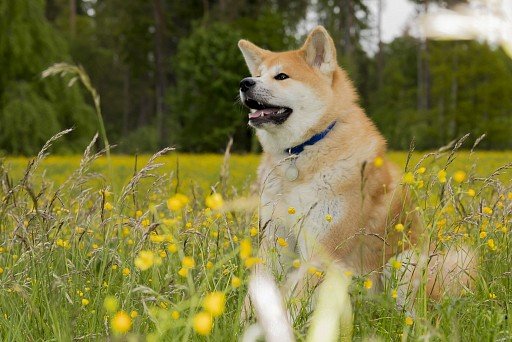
(94,249)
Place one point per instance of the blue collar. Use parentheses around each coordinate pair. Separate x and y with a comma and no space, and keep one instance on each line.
(313,140)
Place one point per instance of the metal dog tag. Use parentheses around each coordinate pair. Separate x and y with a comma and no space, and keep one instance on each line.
(292,173)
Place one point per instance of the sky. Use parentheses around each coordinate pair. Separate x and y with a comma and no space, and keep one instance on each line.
(398,15)
(395,16)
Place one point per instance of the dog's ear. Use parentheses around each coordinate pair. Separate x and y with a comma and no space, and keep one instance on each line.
(319,51)
(253,55)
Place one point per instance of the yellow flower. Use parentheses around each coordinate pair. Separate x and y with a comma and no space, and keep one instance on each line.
(399,227)
(296,263)
(85,302)
(459,176)
(203,323)
(394,294)
(215,303)
(253,231)
(126,231)
(183,272)
(134,314)
(1,270)
(409,320)
(368,284)
(175,315)
(471,193)
(153,237)
(282,242)
(408,178)
(291,210)
(487,210)
(174,204)
(483,235)
(188,262)
(108,206)
(251,261)
(245,249)
(172,248)
(492,295)
(509,196)
(421,170)
(396,264)
(491,244)
(144,260)
(378,161)
(209,265)
(126,271)
(441,176)
(328,218)
(214,201)
(110,303)
(138,213)
(236,282)
(121,322)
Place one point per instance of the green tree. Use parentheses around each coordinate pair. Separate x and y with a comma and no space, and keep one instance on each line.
(208,70)
(31,109)
(470,92)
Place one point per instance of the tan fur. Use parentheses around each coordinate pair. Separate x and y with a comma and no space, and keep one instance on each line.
(361,237)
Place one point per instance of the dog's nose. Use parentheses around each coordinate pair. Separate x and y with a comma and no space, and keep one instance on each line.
(246,84)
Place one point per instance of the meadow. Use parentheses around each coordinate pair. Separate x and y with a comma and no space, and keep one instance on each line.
(137,248)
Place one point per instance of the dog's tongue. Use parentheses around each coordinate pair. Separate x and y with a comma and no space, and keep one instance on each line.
(262,112)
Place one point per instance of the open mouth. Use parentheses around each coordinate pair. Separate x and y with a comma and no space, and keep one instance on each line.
(266,113)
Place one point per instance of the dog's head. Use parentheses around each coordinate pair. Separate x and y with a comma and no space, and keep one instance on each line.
(289,92)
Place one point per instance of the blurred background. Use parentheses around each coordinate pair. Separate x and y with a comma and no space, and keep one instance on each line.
(168,71)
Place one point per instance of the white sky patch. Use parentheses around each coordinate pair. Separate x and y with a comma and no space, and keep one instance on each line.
(397,17)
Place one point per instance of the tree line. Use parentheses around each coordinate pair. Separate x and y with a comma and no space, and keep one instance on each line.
(168,72)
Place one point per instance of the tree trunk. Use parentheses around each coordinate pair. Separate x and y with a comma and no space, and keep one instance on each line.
(72,17)
(160,81)
(454,89)
(427,66)
(424,71)
(349,22)
(126,101)
(380,53)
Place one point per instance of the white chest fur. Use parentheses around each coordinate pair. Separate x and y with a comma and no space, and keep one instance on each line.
(301,212)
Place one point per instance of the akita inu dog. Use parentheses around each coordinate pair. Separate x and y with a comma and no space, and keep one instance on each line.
(327,190)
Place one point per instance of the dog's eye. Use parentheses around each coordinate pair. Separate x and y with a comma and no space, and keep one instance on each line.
(281,77)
